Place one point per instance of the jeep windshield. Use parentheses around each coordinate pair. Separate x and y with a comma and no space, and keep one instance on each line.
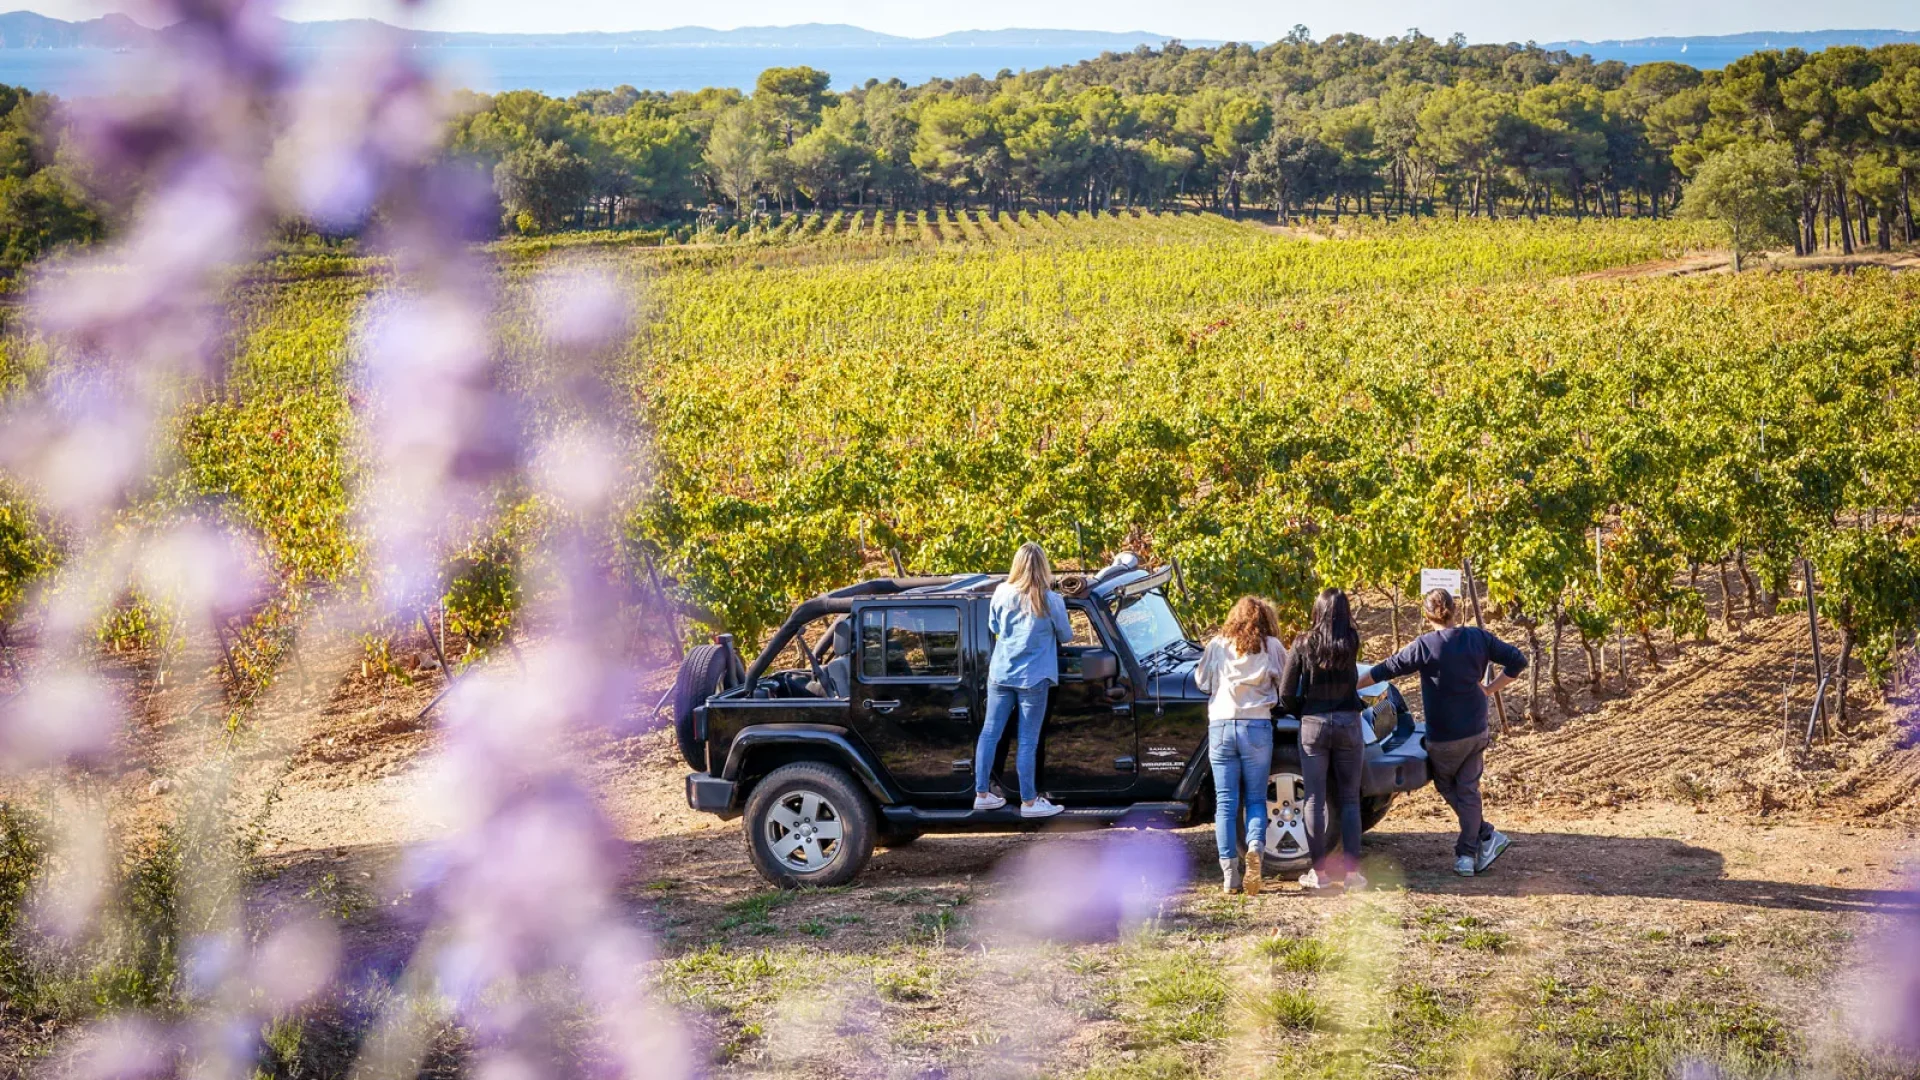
(1148,624)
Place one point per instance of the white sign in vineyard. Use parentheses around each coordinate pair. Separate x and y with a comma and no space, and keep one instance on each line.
(1431,579)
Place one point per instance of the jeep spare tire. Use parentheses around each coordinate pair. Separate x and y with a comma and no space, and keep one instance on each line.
(706,671)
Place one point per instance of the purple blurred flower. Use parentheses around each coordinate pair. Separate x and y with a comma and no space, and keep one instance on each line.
(205,574)
(294,963)
(583,310)
(1892,1001)
(1090,889)
(121,1048)
(60,717)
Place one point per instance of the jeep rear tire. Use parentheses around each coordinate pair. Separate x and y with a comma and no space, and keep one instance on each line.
(706,671)
(1373,810)
(809,824)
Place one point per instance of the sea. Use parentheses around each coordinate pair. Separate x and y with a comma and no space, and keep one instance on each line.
(560,71)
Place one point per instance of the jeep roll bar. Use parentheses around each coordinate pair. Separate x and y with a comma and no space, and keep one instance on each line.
(837,602)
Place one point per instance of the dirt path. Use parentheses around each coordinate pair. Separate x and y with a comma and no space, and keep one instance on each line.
(1677,881)
(1721,262)
(1631,911)
(1701,263)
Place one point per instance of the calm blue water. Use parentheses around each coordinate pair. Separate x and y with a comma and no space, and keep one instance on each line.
(1704,57)
(564,71)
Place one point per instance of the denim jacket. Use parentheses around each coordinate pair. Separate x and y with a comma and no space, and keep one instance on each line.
(1026,648)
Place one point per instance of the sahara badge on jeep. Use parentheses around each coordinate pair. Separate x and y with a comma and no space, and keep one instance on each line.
(867,741)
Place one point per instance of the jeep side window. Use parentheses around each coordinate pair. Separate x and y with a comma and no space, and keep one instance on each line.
(910,643)
(1084,635)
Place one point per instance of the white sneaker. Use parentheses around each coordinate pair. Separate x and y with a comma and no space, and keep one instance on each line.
(1039,808)
(1491,850)
(987,800)
(1312,880)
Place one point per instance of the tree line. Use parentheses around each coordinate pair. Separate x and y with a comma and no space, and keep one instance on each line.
(1401,126)
(45,186)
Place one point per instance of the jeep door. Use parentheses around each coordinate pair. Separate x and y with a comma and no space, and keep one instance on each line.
(913,702)
(1087,747)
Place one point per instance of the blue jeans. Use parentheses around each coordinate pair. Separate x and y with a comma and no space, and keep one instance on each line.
(1032,701)
(1241,752)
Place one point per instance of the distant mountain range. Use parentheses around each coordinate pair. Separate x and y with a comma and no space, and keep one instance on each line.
(1810,40)
(28,30)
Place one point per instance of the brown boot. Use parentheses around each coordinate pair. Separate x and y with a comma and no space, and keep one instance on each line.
(1255,863)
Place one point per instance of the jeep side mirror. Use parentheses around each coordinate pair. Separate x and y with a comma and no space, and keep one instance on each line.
(1099,665)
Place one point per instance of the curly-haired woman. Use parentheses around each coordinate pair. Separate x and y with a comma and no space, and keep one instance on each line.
(1240,672)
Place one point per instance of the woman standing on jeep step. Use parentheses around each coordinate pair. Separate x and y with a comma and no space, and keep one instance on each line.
(1029,624)
(1240,672)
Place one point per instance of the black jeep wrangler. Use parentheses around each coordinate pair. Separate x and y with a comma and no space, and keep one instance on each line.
(871,741)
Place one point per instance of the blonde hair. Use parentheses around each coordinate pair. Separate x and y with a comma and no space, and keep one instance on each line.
(1032,576)
(1437,607)
(1249,625)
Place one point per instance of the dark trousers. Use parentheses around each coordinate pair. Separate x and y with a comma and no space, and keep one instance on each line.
(1332,748)
(1456,766)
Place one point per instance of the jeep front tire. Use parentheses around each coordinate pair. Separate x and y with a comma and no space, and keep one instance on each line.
(809,824)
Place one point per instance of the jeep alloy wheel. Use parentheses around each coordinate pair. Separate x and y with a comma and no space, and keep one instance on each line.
(809,824)
(804,831)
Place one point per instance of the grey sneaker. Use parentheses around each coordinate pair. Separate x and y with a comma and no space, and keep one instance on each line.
(1356,882)
(1491,850)
(1230,875)
(1464,865)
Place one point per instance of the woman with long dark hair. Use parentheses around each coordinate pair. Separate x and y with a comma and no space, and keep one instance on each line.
(1321,686)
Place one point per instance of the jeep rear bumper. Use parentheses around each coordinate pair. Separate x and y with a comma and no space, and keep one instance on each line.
(711,794)
(1384,772)
(1400,770)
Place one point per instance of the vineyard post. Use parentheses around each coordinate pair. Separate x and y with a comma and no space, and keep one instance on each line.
(1619,636)
(673,616)
(1080,537)
(1786,705)
(899,568)
(233,670)
(1818,716)
(1473,593)
(437,639)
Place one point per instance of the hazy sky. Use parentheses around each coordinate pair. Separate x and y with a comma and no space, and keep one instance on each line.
(1263,20)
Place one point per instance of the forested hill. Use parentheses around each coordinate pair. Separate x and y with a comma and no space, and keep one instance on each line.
(1410,125)
(1397,126)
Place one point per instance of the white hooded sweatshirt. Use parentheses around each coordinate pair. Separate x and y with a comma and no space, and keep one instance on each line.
(1240,687)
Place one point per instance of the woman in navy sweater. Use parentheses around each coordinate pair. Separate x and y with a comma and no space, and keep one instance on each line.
(1452,662)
